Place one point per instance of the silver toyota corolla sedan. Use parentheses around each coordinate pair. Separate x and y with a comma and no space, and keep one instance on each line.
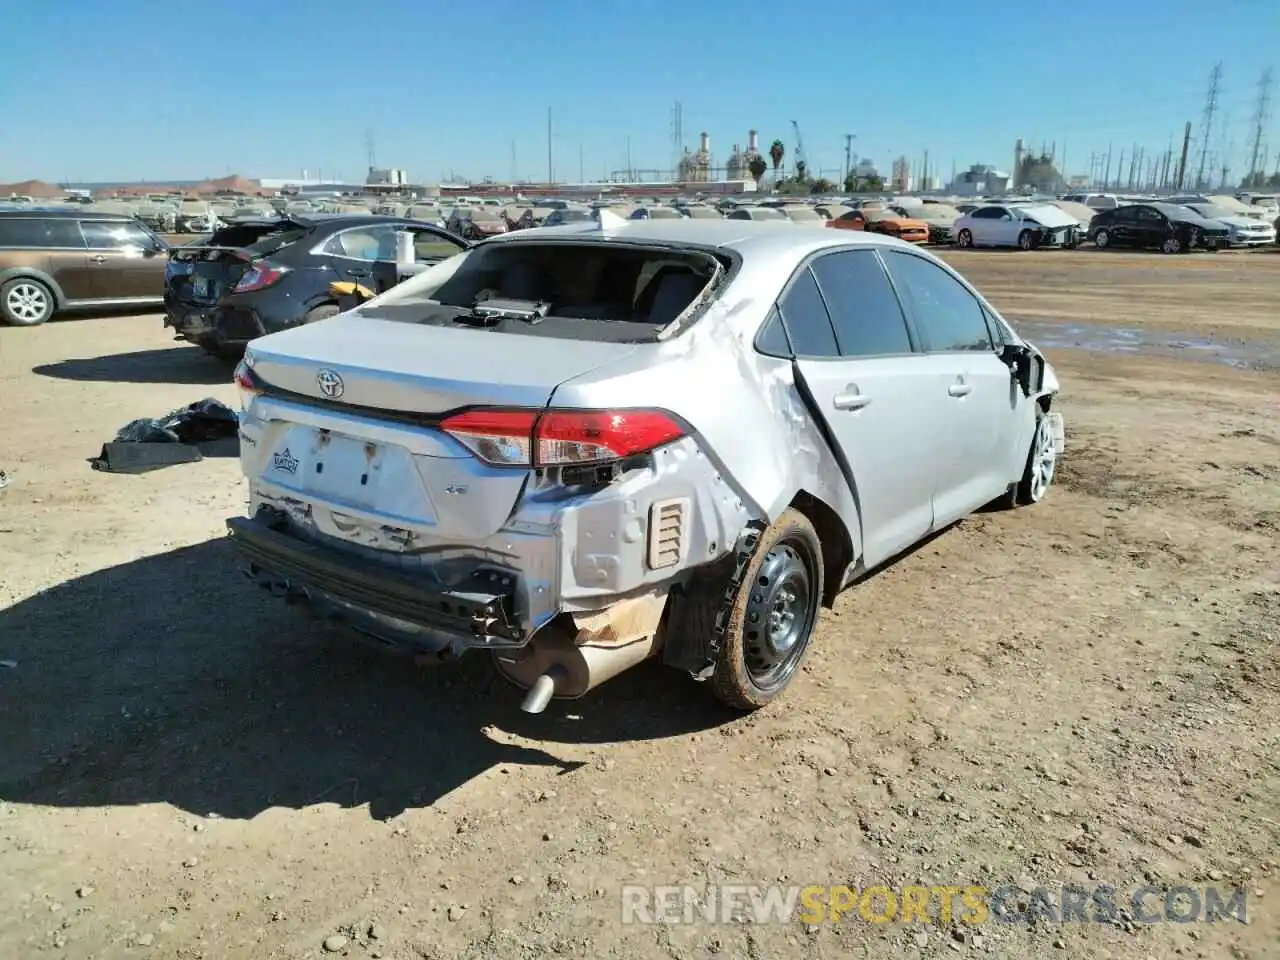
(581,447)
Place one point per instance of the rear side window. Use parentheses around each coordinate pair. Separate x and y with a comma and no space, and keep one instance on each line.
(35,232)
(772,339)
(274,242)
(376,242)
(864,310)
(805,316)
(947,315)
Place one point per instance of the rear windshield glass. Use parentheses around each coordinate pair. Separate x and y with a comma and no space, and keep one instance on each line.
(259,238)
(576,291)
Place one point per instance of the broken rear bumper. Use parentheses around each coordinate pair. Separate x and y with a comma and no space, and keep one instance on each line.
(391,605)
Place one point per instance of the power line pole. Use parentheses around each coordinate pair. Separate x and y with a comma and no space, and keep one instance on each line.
(1106,176)
(848,156)
(1260,117)
(1210,109)
(1182,159)
(551,178)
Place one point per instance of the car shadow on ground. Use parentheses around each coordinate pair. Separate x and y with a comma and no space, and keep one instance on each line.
(172,679)
(181,364)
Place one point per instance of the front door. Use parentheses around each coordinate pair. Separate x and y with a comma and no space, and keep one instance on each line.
(126,261)
(982,403)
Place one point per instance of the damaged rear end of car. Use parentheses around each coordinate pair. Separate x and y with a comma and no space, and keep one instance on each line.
(485,458)
(200,274)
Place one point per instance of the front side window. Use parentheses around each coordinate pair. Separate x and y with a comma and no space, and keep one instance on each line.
(948,316)
(115,235)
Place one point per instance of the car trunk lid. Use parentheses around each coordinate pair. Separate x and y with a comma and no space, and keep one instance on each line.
(204,274)
(351,406)
(386,365)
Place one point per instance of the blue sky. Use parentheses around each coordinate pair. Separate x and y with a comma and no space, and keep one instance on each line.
(151,89)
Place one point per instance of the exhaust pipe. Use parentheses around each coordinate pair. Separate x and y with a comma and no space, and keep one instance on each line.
(557,663)
(543,689)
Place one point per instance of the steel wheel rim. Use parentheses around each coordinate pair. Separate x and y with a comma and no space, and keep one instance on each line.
(1024,241)
(780,615)
(1045,461)
(27,302)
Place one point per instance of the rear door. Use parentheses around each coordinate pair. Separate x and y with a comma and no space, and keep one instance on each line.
(1124,227)
(855,357)
(128,262)
(69,260)
(978,401)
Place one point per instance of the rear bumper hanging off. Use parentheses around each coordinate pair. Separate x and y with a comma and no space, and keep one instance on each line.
(353,591)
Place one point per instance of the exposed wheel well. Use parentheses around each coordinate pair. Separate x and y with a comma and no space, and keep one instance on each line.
(837,551)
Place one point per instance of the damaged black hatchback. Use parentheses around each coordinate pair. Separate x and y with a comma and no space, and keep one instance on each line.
(258,276)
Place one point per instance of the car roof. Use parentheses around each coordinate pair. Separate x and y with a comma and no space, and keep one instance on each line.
(337,221)
(51,213)
(753,238)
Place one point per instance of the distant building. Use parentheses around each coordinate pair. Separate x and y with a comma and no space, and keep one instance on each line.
(386,177)
(979,180)
(739,165)
(900,178)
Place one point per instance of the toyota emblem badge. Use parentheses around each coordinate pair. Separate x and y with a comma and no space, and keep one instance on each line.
(330,384)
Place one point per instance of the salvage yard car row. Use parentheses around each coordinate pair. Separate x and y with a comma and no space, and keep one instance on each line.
(110,254)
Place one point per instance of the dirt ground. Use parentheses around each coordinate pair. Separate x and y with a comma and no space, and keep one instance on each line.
(1082,692)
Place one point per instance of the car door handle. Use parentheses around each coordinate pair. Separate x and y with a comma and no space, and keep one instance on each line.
(98,259)
(851,399)
(959,390)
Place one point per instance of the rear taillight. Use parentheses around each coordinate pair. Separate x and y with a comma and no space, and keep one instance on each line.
(259,277)
(534,438)
(247,384)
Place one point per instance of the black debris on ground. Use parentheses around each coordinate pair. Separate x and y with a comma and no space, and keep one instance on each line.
(205,428)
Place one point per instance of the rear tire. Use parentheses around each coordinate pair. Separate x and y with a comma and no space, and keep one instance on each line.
(1171,245)
(25,302)
(773,617)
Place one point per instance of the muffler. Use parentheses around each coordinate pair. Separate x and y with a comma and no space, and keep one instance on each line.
(557,663)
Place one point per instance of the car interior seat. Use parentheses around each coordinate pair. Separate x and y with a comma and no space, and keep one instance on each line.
(522,281)
(672,292)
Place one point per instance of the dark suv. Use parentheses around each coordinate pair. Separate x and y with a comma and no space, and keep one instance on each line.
(55,260)
(256,276)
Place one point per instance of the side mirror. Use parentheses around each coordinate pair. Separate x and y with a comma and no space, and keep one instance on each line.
(1025,366)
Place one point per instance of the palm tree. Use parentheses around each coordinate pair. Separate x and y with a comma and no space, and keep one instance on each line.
(757,168)
(776,152)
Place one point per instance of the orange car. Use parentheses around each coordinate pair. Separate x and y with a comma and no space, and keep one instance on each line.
(883,221)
